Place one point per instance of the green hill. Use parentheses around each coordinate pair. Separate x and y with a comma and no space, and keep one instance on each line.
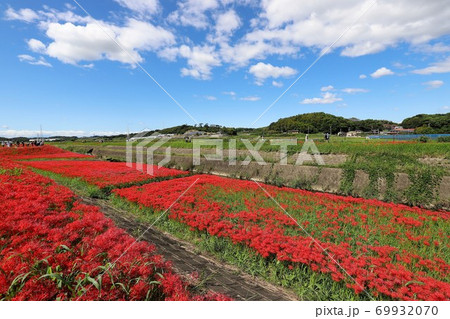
(321,122)
(428,123)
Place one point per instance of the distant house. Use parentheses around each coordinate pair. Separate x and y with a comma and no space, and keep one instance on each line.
(194,133)
(354,133)
(293,132)
(400,130)
(389,126)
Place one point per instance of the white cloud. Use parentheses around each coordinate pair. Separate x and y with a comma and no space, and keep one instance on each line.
(381,72)
(227,22)
(354,90)
(76,38)
(200,59)
(433,84)
(399,65)
(262,71)
(193,13)
(140,6)
(36,46)
(319,23)
(327,88)
(30,133)
(26,15)
(277,28)
(327,98)
(230,93)
(246,50)
(363,76)
(210,98)
(445,108)
(277,84)
(438,67)
(433,48)
(250,98)
(33,61)
(75,43)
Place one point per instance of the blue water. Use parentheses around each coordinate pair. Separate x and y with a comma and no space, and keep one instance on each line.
(406,137)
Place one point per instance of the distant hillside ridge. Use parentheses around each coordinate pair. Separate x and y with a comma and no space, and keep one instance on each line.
(429,123)
(320,122)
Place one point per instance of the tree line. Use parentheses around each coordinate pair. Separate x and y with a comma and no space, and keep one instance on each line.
(428,123)
(321,122)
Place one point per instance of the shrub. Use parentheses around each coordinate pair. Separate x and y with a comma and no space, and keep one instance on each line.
(443,139)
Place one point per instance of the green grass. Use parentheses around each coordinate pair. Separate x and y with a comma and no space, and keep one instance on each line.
(77,185)
(86,189)
(425,179)
(380,159)
(337,145)
(307,285)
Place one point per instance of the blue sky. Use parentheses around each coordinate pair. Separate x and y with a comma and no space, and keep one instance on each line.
(224,61)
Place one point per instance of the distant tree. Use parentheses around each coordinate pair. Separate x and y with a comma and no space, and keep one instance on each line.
(424,130)
(320,122)
(440,123)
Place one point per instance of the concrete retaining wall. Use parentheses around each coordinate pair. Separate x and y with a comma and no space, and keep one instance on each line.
(324,179)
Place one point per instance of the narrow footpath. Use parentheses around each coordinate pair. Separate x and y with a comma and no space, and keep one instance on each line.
(218,277)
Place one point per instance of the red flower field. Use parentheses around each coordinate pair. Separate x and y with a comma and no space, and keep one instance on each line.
(392,250)
(36,152)
(102,173)
(52,247)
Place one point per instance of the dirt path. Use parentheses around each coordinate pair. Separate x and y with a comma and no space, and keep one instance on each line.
(220,277)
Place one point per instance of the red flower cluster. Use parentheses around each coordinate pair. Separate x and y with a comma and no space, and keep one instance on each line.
(385,247)
(34,152)
(102,173)
(54,248)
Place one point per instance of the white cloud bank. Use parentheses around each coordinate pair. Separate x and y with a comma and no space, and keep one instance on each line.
(438,67)
(327,88)
(141,7)
(381,72)
(319,23)
(263,71)
(75,43)
(354,90)
(30,133)
(200,59)
(280,28)
(26,15)
(193,13)
(433,84)
(250,98)
(326,98)
(277,84)
(34,61)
